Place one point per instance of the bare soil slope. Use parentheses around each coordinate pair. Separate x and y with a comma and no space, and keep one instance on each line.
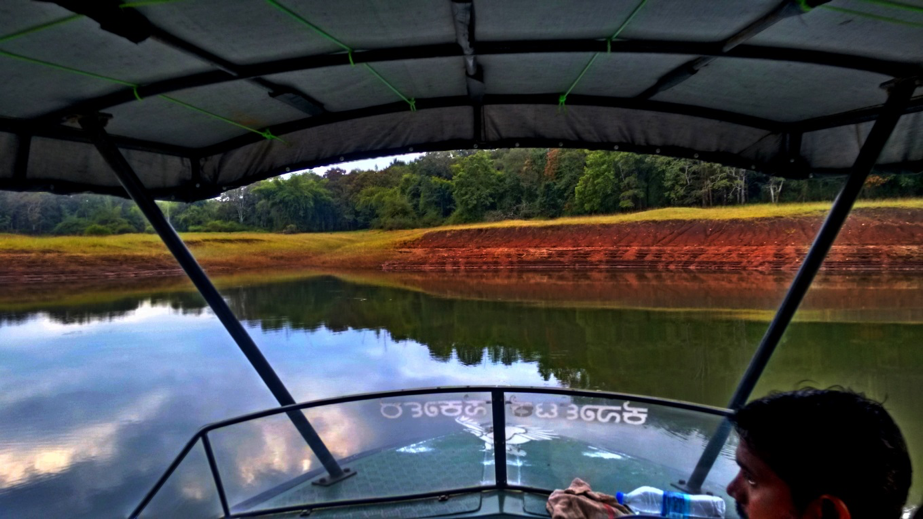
(873,239)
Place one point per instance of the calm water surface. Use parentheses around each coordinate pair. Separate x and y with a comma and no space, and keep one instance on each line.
(102,384)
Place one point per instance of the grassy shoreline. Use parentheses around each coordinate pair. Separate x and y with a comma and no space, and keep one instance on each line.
(143,254)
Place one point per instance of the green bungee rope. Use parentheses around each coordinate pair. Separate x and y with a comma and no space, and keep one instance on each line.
(562,99)
(349,50)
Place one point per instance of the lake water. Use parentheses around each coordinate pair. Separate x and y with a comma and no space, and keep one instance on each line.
(102,383)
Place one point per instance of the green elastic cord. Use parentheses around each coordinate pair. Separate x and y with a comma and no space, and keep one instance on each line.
(265,133)
(134,88)
(66,69)
(349,50)
(873,16)
(411,102)
(896,5)
(142,3)
(563,98)
(805,7)
(38,28)
(628,20)
(311,26)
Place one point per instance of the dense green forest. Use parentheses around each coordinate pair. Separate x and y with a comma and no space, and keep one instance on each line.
(444,187)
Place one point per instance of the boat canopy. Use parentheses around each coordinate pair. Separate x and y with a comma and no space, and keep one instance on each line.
(201,96)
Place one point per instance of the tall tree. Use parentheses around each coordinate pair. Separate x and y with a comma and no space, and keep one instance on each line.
(475,187)
(301,202)
(596,190)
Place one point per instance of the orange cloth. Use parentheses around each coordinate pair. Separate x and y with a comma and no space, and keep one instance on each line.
(580,502)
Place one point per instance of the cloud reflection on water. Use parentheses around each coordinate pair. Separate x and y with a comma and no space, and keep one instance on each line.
(72,379)
(94,417)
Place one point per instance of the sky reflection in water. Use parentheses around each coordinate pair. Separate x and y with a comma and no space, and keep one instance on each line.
(96,399)
(92,413)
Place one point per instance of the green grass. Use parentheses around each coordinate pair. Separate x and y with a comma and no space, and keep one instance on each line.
(744,212)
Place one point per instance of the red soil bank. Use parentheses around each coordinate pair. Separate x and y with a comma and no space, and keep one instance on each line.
(873,239)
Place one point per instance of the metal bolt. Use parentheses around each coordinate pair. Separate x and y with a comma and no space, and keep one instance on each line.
(695,156)
(616,147)
(657,150)
(197,185)
(517,144)
(410,149)
(342,158)
(475,146)
(791,160)
(288,169)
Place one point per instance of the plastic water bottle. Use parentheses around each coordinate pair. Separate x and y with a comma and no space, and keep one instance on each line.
(675,505)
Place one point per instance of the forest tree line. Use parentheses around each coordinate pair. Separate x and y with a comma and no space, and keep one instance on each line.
(443,187)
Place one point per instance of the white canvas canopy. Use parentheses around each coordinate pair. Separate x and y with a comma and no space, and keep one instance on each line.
(206,95)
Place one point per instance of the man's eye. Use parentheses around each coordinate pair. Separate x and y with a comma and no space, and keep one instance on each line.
(750,480)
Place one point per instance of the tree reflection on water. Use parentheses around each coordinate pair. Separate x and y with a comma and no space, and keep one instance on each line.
(101,385)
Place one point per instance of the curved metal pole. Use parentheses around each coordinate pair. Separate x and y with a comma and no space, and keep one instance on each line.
(93,125)
(898,97)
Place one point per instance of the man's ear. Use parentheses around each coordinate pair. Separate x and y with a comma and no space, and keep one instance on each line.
(827,507)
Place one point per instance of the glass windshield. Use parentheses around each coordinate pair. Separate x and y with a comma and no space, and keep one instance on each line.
(395,446)
(435,443)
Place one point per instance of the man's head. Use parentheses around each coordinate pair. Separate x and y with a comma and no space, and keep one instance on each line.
(819,454)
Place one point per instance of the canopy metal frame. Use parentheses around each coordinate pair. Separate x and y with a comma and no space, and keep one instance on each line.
(137,28)
(132,25)
(93,125)
(900,93)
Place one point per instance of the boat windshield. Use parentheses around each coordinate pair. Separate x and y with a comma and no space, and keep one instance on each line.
(436,452)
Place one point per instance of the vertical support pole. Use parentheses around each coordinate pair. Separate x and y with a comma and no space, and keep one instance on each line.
(216,476)
(898,96)
(21,167)
(93,125)
(498,408)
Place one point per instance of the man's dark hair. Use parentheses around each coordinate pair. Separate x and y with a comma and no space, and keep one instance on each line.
(834,442)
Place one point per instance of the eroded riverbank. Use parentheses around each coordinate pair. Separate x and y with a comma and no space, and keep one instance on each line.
(875,239)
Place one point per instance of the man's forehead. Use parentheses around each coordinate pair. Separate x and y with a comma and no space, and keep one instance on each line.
(748,459)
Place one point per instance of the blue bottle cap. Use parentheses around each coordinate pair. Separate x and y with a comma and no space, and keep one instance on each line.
(620,497)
